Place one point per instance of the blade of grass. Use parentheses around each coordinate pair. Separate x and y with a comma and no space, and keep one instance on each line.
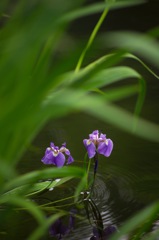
(150,212)
(138,43)
(40,231)
(96,106)
(91,39)
(45,174)
(30,206)
(32,189)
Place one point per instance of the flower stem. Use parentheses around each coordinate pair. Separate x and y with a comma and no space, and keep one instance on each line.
(88,168)
(91,39)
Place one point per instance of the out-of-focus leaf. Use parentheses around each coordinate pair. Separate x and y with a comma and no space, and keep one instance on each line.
(154,32)
(145,217)
(78,78)
(40,231)
(49,173)
(32,189)
(131,56)
(26,204)
(96,106)
(107,76)
(140,44)
(119,93)
(98,7)
(81,187)
(153,235)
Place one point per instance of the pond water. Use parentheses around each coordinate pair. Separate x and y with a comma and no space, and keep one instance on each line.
(126,182)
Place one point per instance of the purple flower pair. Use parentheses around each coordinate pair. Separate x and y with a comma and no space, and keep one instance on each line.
(57,156)
(98,144)
(95,144)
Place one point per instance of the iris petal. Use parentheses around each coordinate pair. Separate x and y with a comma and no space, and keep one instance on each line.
(52,145)
(59,160)
(90,146)
(105,149)
(48,158)
(70,160)
(103,136)
(67,152)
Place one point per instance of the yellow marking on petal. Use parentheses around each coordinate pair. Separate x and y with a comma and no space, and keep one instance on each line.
(89,142)
(55,153)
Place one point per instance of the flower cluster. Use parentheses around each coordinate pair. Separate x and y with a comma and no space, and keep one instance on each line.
(98,144)
(57,156)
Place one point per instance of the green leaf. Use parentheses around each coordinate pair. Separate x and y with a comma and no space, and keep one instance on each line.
(81,186)
(137,43)
(149,214)
(25,204)
(40,231)
(99,108)
(128,55)
(108,76)
(78,78)
(32,189)
(98,7)
(49,173)
(119,93)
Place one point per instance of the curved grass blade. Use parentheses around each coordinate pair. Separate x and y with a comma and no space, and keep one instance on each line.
(152,236)
(91,39)
(119,93)
(81,186)
(129,55)
(98,107)
(86,80)
(30,206)
(108,112)
(95,31)
(147,215)
(49,173)
(107,76)
(40,231)
(79,78)
(31,189)
(87,74)
(138,43)
(98,7)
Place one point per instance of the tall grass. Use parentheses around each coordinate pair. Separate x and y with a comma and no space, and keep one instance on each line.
(38,85)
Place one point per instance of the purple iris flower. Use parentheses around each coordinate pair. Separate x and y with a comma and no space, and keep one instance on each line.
(57,156)
(59,229)
(98,144)
(106,233)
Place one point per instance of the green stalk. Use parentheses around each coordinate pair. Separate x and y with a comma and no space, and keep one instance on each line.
(89,164)
(91,39)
